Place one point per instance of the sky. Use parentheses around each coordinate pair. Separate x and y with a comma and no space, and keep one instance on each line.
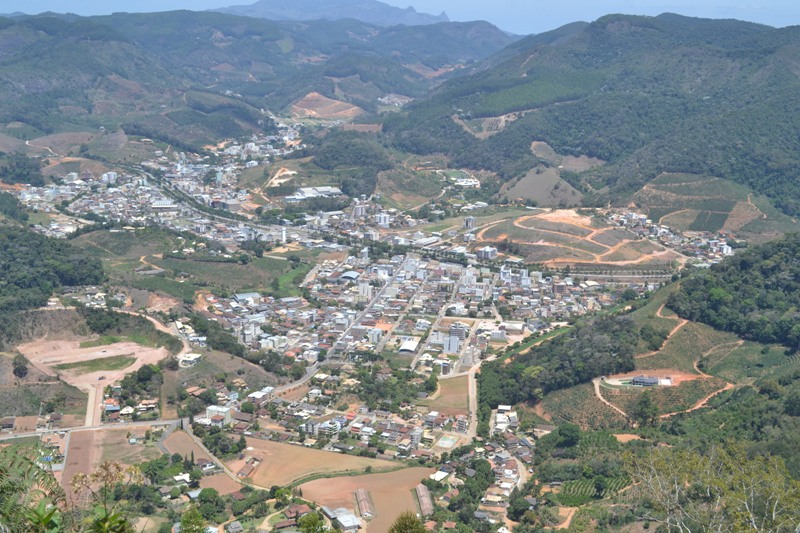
(516,16)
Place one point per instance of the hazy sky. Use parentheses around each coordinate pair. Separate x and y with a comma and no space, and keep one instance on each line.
(518,16)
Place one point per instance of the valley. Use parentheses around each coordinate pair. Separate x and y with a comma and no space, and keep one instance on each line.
(291,275)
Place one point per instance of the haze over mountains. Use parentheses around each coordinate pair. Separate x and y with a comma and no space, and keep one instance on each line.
(370,11)
(645,94)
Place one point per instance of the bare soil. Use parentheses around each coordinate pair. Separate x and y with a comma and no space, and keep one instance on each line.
(283,463)
(180,442)
(221,482)
(315,105)
(391,493)
(45,354)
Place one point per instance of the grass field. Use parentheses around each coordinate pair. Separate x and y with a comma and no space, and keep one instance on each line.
(115,362)
(284,464)
(452,397)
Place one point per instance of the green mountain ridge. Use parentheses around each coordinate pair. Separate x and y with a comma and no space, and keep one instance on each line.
(646,94)
(134,69)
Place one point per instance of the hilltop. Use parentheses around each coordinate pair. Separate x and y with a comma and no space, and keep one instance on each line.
(370,11)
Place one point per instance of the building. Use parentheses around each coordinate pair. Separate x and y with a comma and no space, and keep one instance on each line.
(189,359)
(215,411)
(346,520)
(470,222)
(487,253)
(643,381)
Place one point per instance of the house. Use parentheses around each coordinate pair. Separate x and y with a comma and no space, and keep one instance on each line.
(8,422)
(296,511)
(642,381)
(234,527)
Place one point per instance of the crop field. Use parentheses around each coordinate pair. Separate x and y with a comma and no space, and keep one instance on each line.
(580,406)
(668,399)
(705,203)
(685,347)
(744,362)
(544,186)
(283,464)
(578,492)
(452,397)
(562,237)
(391,494)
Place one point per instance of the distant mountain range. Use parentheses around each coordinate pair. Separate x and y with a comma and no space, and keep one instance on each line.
(192,77)
(370,11)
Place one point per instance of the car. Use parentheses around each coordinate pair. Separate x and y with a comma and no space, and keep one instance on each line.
(101,378)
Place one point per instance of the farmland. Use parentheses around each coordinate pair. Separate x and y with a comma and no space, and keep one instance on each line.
(705,203)
(564,237)
(578,492)
(391,493)
(580,406)
(285,464)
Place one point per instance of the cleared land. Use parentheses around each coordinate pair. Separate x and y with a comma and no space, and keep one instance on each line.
(180,442)
(391,494)
(706,203)
(565,237)
(46,355)
(282,464)
(221,482)
(451,398)
(315,105)
(113,445)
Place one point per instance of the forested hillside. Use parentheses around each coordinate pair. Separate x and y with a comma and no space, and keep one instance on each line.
(33,266)
(647,95)
(755,294)
(597,347)
(191,78)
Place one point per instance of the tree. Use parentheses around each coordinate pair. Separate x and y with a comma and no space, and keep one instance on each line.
(407,523)
(20,366)
(192,521)
(99,487)
(646,411)
(569,435)
(23,482)
(720,490)
(791,405)
(312,523)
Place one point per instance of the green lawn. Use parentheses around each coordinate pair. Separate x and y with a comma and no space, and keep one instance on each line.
(115,362)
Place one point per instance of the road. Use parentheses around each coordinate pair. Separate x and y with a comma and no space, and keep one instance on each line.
(360,316)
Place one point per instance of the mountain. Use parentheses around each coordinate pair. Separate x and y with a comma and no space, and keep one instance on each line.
(647,95)
(370,11)
(192,77)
